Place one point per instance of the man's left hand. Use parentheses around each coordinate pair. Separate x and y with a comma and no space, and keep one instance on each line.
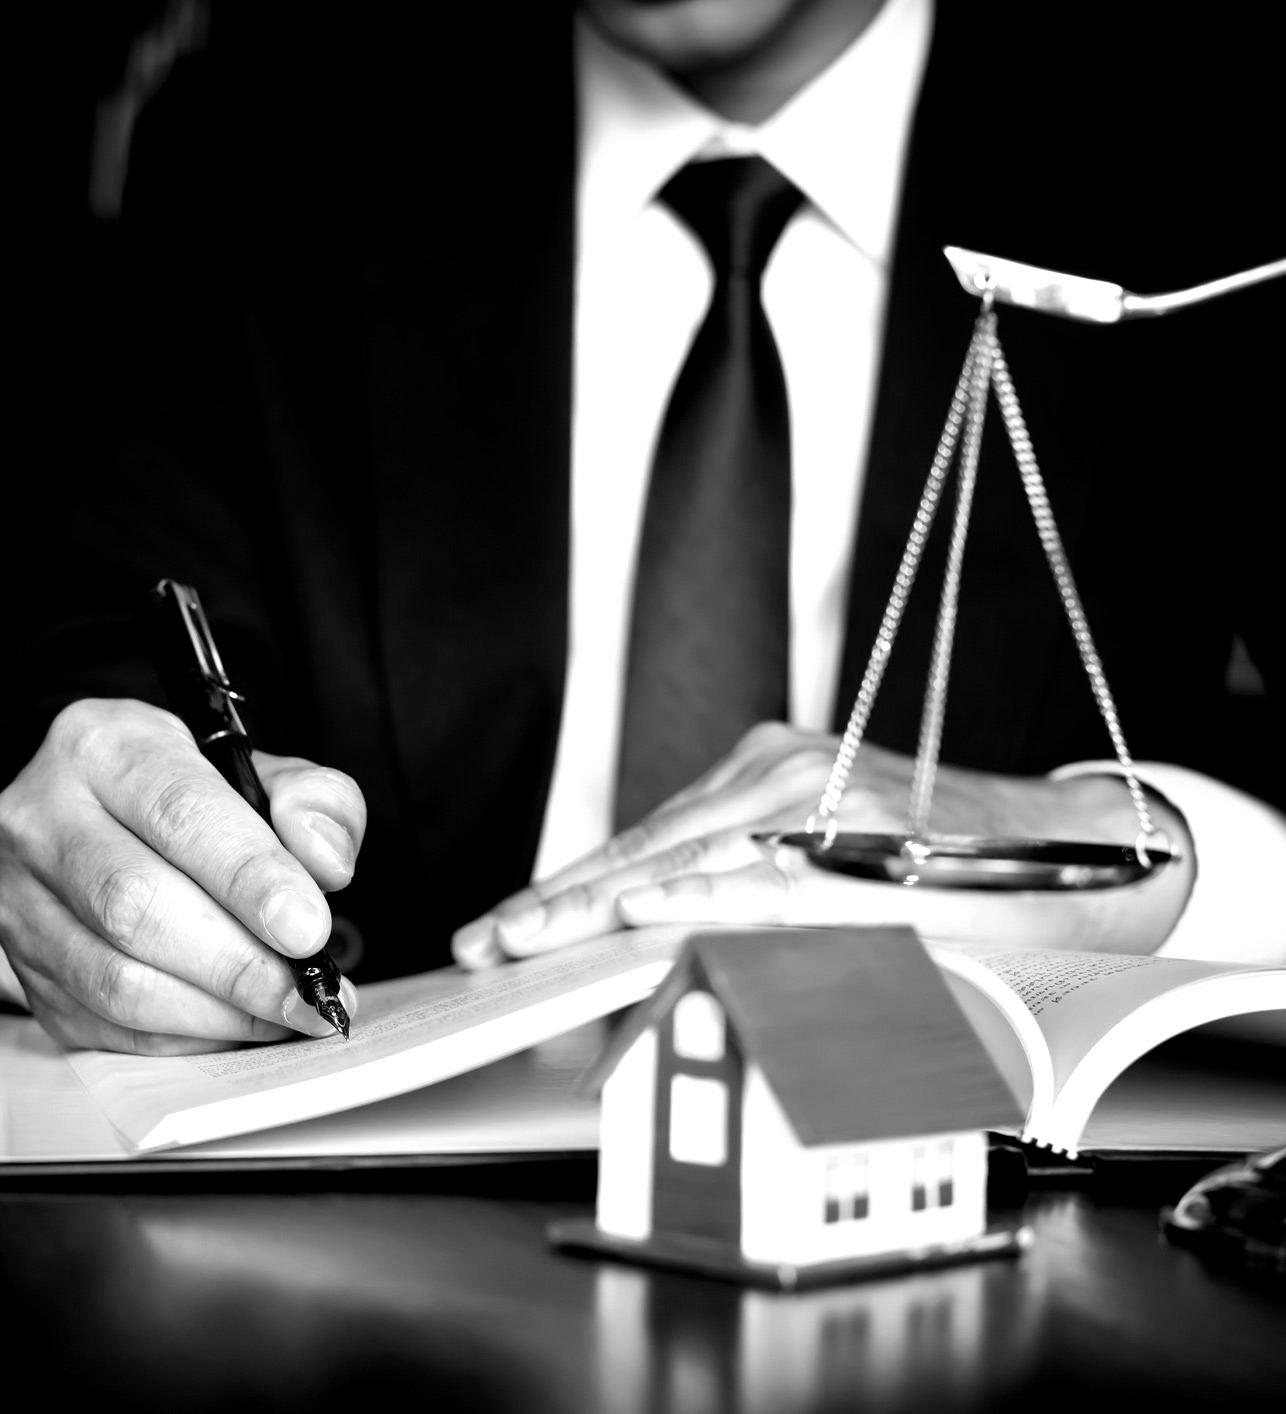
(694,860)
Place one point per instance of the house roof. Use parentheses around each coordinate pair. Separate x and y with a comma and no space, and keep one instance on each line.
(854,1028)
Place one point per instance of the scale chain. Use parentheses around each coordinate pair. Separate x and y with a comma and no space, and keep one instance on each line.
(1052,542)
(984,369)
(935,697)
(842,766)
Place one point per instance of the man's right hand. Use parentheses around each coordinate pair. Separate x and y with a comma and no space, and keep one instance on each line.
(145,906)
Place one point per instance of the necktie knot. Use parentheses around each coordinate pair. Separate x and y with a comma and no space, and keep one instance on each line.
(737,207)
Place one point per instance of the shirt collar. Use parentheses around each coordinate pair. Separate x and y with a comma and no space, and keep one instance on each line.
(840,139)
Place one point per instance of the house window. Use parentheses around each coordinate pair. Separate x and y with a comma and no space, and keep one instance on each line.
(946,1174)
(698,1027)
(933,1176)
(848,1188)
(698,1121)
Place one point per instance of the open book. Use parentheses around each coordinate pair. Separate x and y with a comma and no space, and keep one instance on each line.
(450,1062)
(443,1062)
(1068,1031)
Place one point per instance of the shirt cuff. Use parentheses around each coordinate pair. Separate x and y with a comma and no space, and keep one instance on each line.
(1234,913)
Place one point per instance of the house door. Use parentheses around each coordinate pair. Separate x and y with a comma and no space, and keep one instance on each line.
(697,1153)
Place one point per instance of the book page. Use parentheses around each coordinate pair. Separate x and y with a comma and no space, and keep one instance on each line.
(522,1104)
(45,1112)
(1199,1092)
(1099,1012)
(1005,1027)
(408,1033)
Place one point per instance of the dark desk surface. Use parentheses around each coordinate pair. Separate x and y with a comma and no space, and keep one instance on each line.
(439,1288)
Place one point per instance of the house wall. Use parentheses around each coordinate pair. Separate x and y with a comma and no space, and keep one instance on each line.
(626,1142)
(784,1189)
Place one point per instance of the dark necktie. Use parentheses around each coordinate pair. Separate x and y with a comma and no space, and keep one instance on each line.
(709,637)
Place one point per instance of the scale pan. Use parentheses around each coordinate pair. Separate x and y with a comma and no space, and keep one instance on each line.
(963,862)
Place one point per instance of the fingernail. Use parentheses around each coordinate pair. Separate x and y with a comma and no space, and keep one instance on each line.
(295,923)
(348,995)
(299,1016)
(519,928)
(474,945)
(332,839)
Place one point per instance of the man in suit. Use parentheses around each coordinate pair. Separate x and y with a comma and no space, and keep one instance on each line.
(356,446)
(837,129)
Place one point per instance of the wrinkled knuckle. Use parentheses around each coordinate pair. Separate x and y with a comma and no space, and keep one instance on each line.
(94,730)
(251,878)
(120,988)
(580,898)
(178,810)
(701,886)
(629,845)
(687,856)
(236,975)
(77,720)
(76,733)
(123,906)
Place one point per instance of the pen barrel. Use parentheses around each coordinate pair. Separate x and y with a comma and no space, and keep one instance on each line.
(310,972)
(230,756)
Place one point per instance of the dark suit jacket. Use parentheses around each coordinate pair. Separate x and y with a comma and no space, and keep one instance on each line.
(354,297)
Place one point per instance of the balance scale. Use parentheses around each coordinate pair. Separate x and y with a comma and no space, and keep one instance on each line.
(917,857)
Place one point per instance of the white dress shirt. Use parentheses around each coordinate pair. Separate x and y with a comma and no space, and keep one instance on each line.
(1234,913)
(643,282)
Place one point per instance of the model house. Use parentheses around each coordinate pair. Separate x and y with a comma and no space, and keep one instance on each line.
(796,1100)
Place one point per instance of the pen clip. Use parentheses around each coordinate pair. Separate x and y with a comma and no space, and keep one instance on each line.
(198,628)
(180,604)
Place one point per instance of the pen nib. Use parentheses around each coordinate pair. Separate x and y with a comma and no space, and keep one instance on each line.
(333,1010)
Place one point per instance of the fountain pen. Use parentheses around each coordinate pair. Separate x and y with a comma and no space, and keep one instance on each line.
(199,693)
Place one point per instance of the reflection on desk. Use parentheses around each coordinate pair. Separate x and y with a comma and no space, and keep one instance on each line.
(445,1292)
(904,1342)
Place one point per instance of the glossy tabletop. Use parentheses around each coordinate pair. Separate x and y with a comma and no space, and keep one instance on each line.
(439,1288)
